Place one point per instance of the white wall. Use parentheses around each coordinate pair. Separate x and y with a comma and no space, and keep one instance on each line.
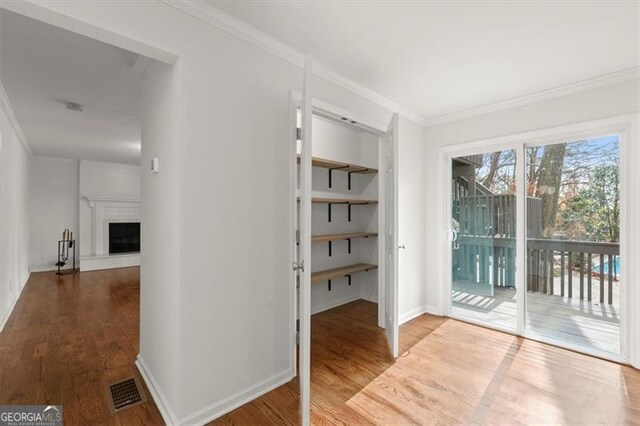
(412,213)
(53,207)
(160,285)
(216,329)
(14,214)
(104,180)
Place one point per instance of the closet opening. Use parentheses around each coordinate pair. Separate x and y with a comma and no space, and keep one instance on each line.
(348,233)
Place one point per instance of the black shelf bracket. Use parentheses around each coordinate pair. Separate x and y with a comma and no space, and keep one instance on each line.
(329,248)
(331,174)
(349,245)
(329,211)
(349,180)
(349,277)
(329,285)
(349,209)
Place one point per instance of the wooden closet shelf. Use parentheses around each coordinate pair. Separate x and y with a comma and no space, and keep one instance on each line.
(341,201)
(339,165)
(341,272)
(347,236)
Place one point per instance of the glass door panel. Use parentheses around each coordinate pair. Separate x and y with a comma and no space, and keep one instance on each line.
(483,250)
(573,253)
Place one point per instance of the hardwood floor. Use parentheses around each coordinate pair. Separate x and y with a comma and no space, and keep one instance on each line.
(69,336)
(449,372)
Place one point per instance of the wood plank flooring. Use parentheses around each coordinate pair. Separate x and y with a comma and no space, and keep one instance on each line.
(69,336)
(449,372)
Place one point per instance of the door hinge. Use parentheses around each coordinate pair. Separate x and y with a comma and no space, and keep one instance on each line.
(297,332)
(298,266)
(298,133)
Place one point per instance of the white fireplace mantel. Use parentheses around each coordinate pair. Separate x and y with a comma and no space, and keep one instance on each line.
(106,210)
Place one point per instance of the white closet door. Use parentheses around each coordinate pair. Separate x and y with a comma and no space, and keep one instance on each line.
(304,261)
(391,236)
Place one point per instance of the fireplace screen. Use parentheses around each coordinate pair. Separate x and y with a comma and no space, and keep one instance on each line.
(124,237)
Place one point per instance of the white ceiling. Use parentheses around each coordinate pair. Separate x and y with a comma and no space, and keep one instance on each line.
(437,58)
(42,66)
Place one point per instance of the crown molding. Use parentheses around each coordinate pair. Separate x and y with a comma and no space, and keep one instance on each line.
(11,116)
(212,15)
(556,92)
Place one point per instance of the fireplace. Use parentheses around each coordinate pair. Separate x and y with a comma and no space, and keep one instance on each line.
(124,237)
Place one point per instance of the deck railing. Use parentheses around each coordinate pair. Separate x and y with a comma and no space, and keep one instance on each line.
(485,250)
(548,259)
(551,265)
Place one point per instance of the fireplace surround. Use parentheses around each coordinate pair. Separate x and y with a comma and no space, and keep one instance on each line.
(105,213)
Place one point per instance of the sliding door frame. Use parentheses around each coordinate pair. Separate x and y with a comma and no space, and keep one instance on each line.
(627,128)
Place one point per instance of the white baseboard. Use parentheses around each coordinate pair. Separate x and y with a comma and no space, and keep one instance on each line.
(434,310)
(333,304)
(95,263)
(236,400)
(413,313)
(168,415)
(4,320)
(371,299)
(214,410)
(43,268)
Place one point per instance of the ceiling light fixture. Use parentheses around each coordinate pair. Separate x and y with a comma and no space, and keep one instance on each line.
(73,106)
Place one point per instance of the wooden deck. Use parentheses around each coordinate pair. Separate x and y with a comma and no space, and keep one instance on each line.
(585,323)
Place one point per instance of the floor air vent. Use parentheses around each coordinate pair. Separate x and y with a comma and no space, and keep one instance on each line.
(125,394)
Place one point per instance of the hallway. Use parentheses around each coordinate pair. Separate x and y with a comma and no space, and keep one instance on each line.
(68,338)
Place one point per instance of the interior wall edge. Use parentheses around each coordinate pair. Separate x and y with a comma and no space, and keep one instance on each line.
(215,410)
(13,120)
(166,411)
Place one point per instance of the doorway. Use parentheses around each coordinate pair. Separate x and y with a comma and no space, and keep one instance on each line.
(534,234)
(344,243)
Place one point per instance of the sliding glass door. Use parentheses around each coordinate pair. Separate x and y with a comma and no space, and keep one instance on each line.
(559,278)
(573,243)
(483,250)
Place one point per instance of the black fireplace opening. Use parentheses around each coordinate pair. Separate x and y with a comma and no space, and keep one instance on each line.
(124,237)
